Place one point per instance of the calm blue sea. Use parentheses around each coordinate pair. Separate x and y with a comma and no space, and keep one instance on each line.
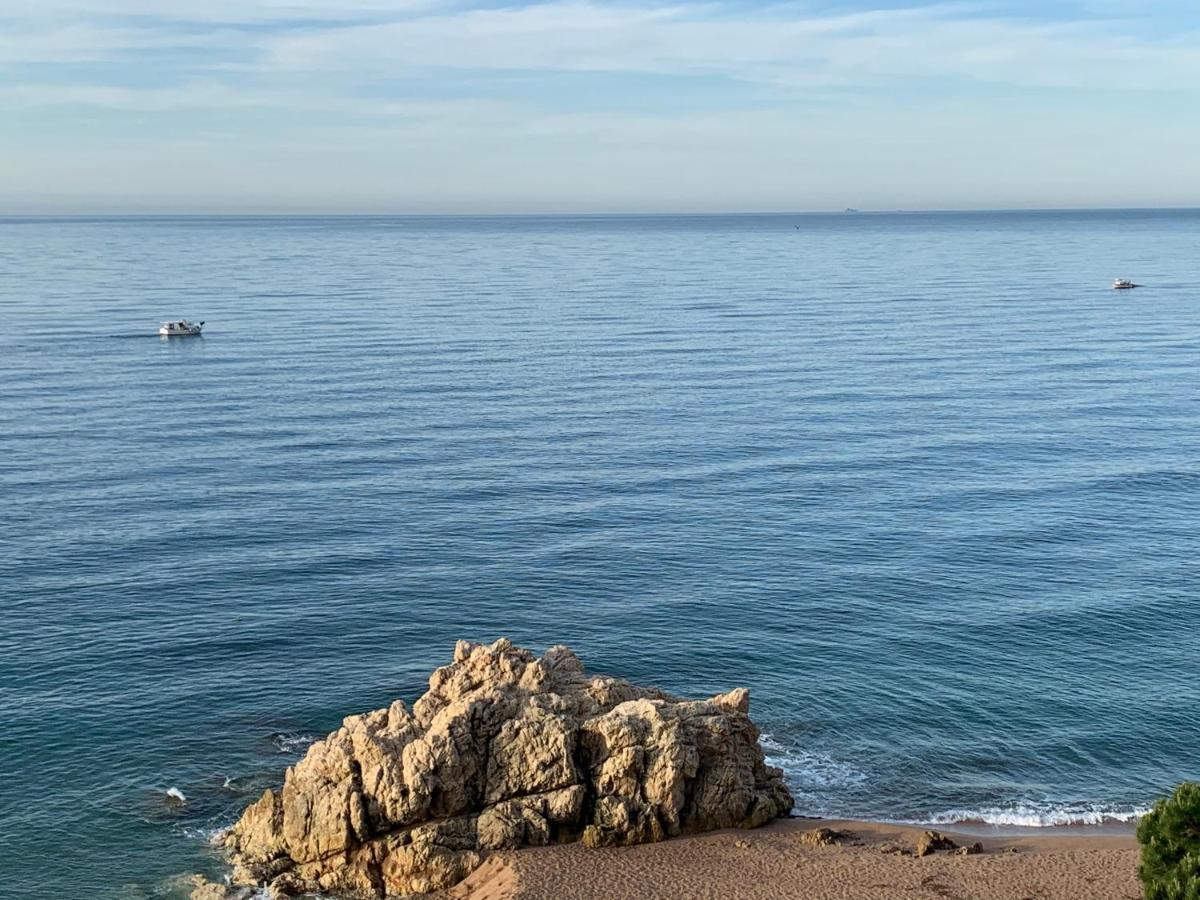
(921,481)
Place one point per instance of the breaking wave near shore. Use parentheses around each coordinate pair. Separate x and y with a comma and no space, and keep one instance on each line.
(828,787)
(1043,814)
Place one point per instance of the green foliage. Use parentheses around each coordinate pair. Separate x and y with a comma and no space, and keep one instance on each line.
(1170,839)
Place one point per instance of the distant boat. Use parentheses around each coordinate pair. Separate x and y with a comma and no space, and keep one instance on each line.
(180,328)
(1124,284)
(850,209)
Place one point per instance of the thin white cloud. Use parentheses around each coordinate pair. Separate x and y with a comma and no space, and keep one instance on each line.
(145,99)
(85,42)
(400,105)
(574,35)
(778,44)
(211,95)
(324,64)
(216,11)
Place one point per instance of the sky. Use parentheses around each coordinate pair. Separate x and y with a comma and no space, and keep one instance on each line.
(505,106)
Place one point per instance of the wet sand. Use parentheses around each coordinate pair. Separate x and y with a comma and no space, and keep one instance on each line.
(774,862)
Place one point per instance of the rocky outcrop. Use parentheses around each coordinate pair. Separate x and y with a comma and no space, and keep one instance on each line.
(203,889)
(932,841)
(824,837)
(504,750)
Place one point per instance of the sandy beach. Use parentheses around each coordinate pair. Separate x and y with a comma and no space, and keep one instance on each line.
(874,862)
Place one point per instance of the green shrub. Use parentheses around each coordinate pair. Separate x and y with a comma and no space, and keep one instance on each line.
(1170,839)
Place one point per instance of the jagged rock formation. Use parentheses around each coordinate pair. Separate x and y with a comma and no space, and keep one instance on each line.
(504,750)
(932,841)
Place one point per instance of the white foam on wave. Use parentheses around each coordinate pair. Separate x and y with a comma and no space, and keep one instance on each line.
(292,742)
(825,786)
(208,834)
(176,794)
(1045,814)
(810,770)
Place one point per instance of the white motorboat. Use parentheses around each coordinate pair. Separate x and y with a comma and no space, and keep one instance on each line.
(1124,284)
(180,328)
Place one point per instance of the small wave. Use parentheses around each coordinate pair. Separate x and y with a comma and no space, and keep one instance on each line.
(208,834)
(808,772)
(1041,815)
(176,795)
(182,885)
(292,741)
(823,785)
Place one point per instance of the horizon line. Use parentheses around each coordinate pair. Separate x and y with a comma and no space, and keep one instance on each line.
(847,211)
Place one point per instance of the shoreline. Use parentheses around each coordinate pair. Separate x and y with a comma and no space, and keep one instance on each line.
(980,830)
(872,860)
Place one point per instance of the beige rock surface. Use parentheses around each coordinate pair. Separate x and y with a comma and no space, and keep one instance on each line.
(203,889)
(932,841)
(504,750)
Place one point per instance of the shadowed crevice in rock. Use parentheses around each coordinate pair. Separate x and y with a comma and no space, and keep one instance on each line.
(504,750)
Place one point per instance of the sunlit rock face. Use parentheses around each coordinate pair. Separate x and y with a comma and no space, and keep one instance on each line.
(504,750)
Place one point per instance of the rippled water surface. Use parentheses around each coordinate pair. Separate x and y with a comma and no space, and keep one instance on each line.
(922,482)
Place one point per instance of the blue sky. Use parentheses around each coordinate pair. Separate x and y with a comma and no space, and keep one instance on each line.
(595,105)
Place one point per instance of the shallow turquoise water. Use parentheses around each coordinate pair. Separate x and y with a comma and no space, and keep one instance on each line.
(922,482)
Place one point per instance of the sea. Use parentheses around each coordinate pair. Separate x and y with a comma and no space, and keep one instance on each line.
(922,482)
